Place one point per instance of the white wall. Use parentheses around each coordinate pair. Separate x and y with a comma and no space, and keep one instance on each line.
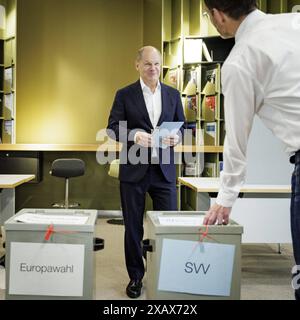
(267,161)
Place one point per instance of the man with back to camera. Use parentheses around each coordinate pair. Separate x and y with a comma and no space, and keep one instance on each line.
(261,76)
(137,110)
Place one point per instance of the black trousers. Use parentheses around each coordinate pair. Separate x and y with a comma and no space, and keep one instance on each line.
(133,196)
(295,223)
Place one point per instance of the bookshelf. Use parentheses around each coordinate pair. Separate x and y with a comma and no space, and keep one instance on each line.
(278,6)
(193,54)
(1,86)
(8,74)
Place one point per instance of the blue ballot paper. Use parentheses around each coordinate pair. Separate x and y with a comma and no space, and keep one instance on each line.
(164,130)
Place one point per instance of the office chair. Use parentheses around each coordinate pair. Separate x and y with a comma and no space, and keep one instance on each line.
(67,168)
(114,172)
(70,168)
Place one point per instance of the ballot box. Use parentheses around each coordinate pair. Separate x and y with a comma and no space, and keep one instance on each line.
(49,254)
(186,260)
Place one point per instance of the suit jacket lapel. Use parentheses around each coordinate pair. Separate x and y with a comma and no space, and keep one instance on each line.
(140,102)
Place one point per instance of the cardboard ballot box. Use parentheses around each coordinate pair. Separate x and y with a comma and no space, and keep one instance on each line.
(49,254)
(186,260)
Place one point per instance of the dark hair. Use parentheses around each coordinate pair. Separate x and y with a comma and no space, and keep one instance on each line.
(233,8)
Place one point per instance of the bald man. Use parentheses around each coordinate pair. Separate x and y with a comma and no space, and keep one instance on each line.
(137,110)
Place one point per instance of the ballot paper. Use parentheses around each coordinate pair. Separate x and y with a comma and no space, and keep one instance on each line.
(51,219)
(164,130)
(181,221)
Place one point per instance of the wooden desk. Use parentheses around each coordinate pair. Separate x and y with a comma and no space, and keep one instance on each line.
(263,210)
(8,183)
(92,182)
(213,185)
(111,147)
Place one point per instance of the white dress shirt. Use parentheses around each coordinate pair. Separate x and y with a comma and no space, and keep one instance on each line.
(261,76)
(153,102)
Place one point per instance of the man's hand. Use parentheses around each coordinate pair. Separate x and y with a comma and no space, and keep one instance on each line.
(171,141)
(144,139)
(217,214)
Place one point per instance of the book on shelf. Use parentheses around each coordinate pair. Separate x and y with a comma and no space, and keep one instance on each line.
(210,79)
(191,108)
(8,127)
(192,50)
(190,169)
(190,89)
(210,170)
(8,106)
(208,108)
(210,133)
(172,78)
(206,53)
(8,131)
(191,81)
(172,53)
(8,79)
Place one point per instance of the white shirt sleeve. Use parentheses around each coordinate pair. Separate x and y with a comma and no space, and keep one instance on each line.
(240,99)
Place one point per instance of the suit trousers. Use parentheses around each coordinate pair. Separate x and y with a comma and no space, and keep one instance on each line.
(295,223)
(133,197)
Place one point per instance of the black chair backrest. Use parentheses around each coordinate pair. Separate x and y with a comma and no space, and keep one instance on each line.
(67,168)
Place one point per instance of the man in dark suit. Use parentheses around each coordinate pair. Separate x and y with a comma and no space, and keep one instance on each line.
(137,110)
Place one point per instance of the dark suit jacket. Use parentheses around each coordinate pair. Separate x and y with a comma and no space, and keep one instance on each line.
(129,105)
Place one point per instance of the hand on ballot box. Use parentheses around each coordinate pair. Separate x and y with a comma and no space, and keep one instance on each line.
(217,214)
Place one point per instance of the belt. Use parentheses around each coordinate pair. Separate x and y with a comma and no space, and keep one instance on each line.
(295,158)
